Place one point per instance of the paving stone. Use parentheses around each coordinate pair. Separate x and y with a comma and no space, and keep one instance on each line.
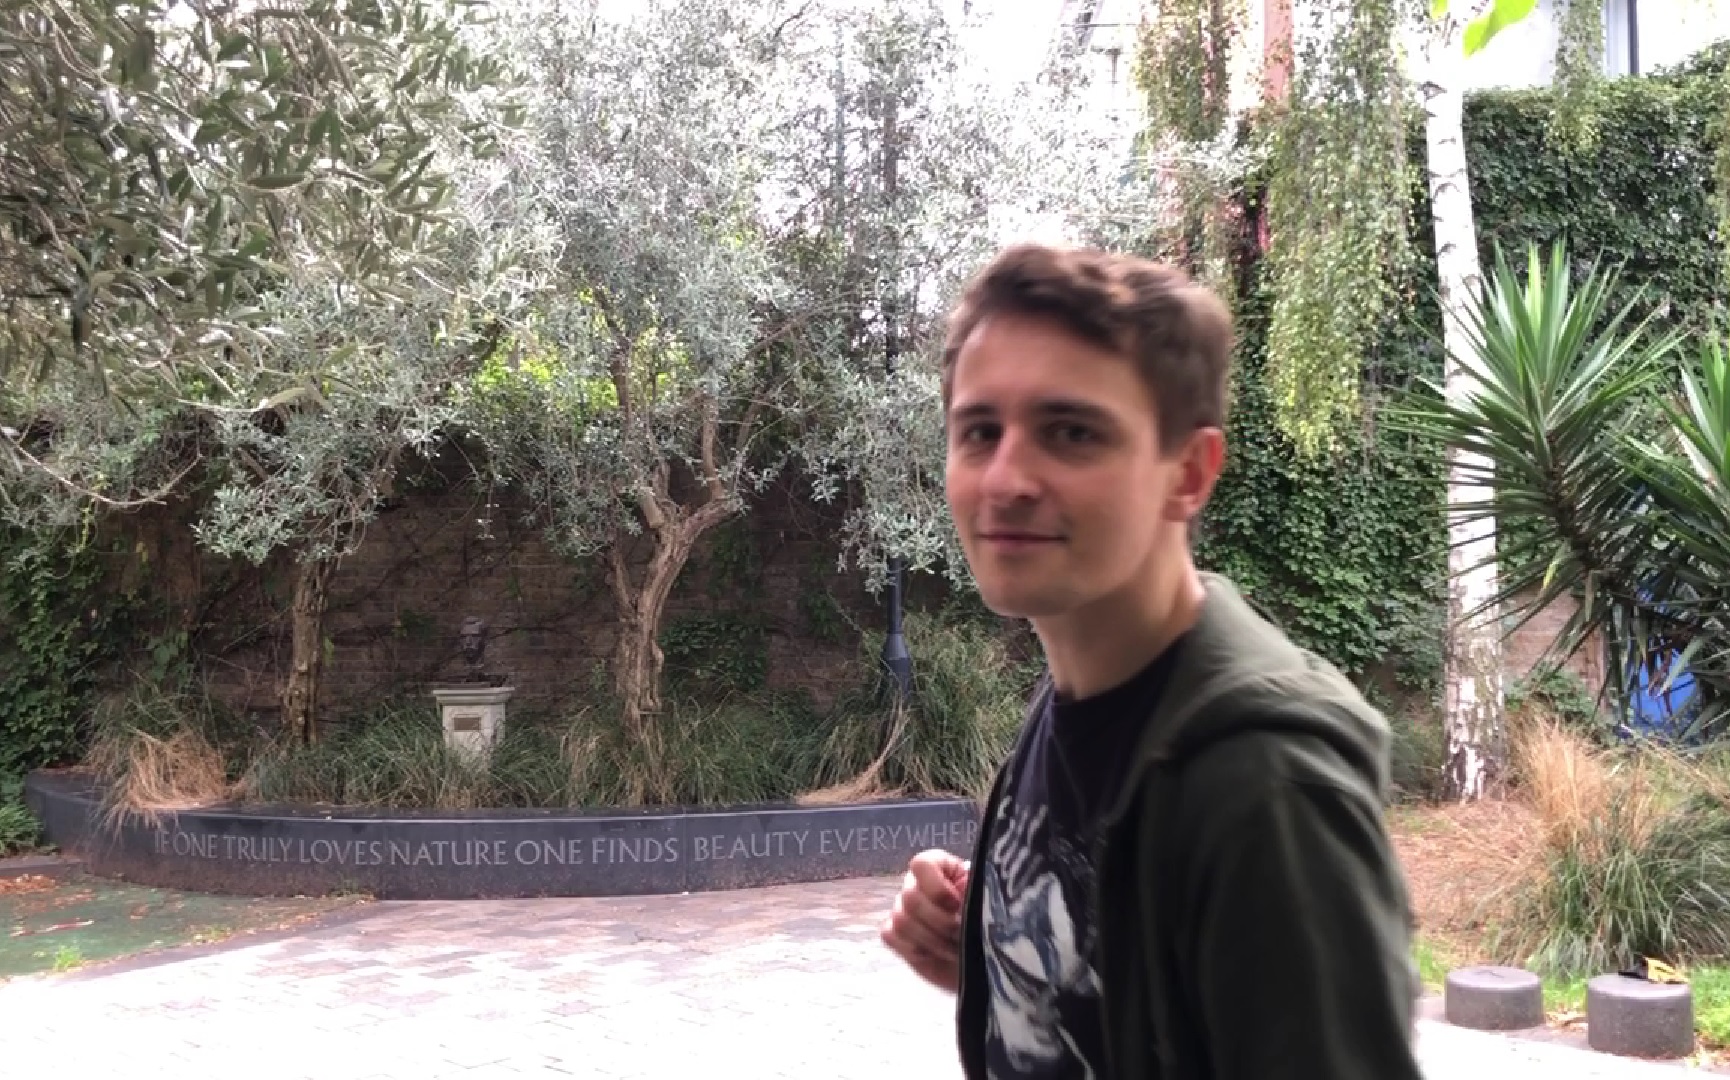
(783,984)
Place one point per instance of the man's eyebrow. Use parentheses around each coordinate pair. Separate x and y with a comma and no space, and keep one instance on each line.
(1069,408)
(1060,408)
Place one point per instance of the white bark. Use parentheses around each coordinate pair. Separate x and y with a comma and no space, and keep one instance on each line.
(1472,654)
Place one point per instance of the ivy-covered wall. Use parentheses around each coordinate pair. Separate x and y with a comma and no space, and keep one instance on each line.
(63,627)
(1347,549)
(1642,194)
(1341,548)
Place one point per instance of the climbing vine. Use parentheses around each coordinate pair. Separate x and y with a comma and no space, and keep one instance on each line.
(1187,100)
(1336,171)
(59,628)
(1579,73)
(1338,177)
(1346,548)
(1191,147)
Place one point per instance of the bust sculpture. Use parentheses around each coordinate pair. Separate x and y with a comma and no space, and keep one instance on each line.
(472,643)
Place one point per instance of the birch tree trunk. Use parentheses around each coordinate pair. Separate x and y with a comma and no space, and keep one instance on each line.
(1472,652)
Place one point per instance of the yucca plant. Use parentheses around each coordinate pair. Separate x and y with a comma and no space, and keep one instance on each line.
(1609,453)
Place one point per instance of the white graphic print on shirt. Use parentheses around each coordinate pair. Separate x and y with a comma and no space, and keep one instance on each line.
(1038,952)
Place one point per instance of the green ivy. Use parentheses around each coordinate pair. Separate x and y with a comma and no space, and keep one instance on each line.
(714,653)
(1341,548)
(57,631)
(732,561)
(19,830)
(1186,99)
(1641,198)
(1338,170)
(1574,118)
(1565,698)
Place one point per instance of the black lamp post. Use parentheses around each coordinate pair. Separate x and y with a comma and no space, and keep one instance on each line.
(897,661)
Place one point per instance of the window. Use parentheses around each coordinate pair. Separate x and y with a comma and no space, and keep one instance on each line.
(1621,37)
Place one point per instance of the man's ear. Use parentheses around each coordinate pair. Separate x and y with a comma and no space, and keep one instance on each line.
(1199,462)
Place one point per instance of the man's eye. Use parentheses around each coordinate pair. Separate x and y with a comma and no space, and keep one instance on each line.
(1073,434)
(978,433)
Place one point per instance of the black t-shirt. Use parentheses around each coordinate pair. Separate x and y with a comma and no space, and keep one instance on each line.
(1041,944)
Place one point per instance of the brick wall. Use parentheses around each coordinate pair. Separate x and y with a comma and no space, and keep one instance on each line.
(1526,646)
(438,555)
(441,553)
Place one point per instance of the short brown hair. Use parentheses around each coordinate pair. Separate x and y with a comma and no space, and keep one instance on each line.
(1177,333)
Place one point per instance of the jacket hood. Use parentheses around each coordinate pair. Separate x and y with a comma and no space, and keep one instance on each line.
(1240,673)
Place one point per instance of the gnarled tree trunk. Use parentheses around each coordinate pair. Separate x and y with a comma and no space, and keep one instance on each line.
(641,600)
(1472,653)
(306,655)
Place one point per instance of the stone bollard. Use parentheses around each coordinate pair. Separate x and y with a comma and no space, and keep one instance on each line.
(1493,999)
(1636,1018)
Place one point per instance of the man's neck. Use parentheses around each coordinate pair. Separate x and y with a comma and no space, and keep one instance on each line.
(1104,645)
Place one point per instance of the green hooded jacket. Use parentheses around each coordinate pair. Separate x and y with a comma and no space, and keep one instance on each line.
(1253,919)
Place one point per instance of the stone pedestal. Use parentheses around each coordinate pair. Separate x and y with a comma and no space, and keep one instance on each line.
(473,717)
(1494,999)
(1636,1018)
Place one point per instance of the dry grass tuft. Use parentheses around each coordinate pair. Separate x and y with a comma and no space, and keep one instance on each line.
(153,775)
(868,782)
(1632,856)
(1565,781)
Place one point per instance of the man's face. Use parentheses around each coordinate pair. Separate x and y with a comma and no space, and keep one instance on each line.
(1055,475)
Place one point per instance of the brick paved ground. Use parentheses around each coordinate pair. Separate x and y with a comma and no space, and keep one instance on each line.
(774,984)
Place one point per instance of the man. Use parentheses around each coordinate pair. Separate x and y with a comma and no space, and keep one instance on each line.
(1182,869)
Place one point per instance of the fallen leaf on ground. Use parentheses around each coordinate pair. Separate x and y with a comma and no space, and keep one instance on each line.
(25,883)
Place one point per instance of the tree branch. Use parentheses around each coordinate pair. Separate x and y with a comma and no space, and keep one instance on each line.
(155,498)
(650,506)
(711,474)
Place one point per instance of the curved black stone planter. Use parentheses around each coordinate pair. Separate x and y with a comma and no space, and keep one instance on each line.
(406,855)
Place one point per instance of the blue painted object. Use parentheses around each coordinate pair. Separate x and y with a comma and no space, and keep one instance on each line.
(1655,709)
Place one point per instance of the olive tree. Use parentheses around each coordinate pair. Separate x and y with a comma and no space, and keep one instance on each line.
(630,398)
(907,179)
(742,213)
(162,163)
(306,475)
(272,281)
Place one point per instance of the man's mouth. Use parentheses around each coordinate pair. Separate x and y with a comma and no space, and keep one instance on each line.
(1016,540)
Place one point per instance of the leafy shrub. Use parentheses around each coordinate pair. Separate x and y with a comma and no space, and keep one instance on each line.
(164,744)
(1419,754)
(743,749)
(397,757)
(758,748)
(1558,695)
(720,651)
(19,830)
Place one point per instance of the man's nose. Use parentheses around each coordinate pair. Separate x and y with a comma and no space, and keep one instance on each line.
(1011,474)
